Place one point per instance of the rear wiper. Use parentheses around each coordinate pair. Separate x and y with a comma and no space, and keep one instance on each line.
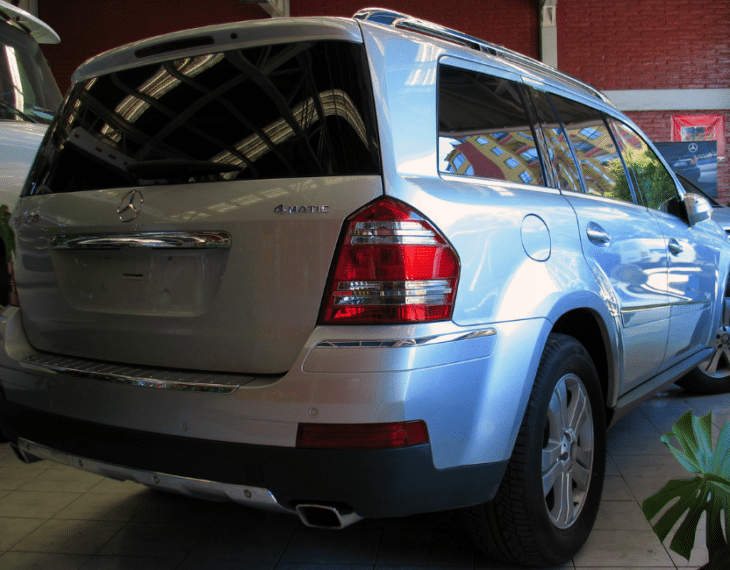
(178,168)
(9,107)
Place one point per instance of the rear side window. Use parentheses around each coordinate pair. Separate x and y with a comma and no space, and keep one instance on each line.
(600,164)
(484,130)
(281,111)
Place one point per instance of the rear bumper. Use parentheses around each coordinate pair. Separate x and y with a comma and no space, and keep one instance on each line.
(379,483)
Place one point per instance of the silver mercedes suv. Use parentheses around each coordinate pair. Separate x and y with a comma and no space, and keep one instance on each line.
(348,268)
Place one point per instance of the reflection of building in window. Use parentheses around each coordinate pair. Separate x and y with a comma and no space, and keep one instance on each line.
(509,156)
(598,158)
(334,103)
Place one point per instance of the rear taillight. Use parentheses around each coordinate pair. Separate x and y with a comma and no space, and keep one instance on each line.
(392,266)
(12,289)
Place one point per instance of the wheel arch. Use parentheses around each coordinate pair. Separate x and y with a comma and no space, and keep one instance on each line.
(588,328)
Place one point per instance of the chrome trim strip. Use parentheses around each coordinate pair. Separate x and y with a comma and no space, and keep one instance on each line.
(257,497)
(178,240)
(168,380)
(664,306)
(406,342)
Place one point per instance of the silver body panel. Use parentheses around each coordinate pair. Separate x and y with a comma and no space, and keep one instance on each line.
(247,313)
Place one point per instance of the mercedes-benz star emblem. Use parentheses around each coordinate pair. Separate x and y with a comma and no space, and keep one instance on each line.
(693,147)
(130,206)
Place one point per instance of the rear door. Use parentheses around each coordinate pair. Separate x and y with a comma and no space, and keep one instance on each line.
(621,240)
(184,213)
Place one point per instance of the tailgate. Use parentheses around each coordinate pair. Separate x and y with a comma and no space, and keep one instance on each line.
(204,280)
(183,212)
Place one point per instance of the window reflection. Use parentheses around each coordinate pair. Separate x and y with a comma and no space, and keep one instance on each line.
(601,169)
(287,110)
(484,130)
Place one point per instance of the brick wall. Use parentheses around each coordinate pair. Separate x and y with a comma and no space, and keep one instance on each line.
(650,44)
(88,27)
(646,44)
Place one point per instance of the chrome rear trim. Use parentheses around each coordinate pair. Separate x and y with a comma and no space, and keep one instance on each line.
(143,377)
(257,497)
(406,342)
(178,240)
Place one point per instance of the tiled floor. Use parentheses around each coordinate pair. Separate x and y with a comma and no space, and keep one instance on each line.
(58,518)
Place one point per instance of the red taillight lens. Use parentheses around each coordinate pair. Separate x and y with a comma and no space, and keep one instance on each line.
(13,289)
(392,266)
(362,436)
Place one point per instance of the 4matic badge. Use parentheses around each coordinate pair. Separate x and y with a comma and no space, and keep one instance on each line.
(284,209)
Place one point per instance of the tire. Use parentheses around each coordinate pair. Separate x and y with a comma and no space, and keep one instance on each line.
(533,520)
(712,376)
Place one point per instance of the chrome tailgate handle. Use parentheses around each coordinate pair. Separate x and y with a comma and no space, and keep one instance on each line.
(179,240)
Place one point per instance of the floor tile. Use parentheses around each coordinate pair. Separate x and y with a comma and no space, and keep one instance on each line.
(105,507)
(69,537)
(37,561)
(413,546)
(13,530)
(12,478)
(616,489)
(236,565)
(35,504)
(130,563)
(622,548)
(625,515)
(164,538)
(169,506)
(351,545)
(235,514)
(242,542)
(65,480)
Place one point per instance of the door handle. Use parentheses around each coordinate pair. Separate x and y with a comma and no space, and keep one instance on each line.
(674,247)
(597,235)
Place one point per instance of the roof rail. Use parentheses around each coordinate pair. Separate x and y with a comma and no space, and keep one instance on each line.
(406,22)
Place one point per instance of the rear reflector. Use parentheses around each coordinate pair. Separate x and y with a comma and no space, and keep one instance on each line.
(392,266)
(362,436)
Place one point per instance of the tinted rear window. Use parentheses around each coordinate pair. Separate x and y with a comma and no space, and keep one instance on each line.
(282,111)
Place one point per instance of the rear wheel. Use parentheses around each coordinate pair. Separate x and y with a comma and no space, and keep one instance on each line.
(547,503)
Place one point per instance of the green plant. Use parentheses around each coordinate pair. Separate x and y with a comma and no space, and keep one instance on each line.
(688,499)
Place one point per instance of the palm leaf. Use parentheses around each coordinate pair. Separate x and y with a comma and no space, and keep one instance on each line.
(686,500)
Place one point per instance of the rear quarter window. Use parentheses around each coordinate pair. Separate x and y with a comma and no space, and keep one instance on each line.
(484,130)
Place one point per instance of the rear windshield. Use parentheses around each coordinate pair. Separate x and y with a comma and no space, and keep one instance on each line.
(288,110)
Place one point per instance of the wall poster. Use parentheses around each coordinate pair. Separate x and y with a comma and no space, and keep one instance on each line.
(696,128)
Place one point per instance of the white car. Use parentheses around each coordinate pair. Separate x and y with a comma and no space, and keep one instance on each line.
(29,96)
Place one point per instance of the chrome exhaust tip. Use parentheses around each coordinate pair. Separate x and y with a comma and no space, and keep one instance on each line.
(325,516)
